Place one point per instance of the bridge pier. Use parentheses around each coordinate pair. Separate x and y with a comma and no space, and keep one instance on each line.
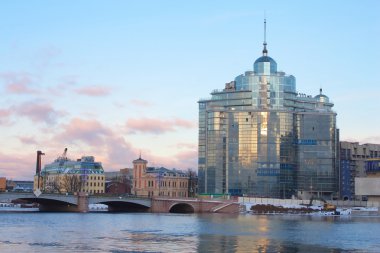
(82,202)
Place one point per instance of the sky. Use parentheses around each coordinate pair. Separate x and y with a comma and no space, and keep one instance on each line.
(114,79)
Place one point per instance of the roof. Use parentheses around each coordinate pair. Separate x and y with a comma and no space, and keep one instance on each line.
(165,171)
(140,160)
(265,59)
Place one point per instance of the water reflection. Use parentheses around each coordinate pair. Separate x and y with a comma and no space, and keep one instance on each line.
(102,232)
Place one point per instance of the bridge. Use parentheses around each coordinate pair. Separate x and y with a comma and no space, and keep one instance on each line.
(80,202)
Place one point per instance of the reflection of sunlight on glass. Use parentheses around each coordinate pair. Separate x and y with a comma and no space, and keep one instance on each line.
(264,123)
(262,245)
(151,241)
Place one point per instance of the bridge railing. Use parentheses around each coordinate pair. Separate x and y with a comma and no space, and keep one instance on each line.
(122,196)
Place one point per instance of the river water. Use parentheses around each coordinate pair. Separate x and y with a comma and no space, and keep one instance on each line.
(146,232)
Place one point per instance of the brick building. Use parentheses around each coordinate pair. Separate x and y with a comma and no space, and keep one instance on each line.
(150,181)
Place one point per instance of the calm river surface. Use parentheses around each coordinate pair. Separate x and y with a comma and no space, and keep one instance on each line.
(145,232)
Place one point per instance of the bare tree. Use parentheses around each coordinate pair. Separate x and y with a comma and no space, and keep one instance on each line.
(53,185)
(71,183)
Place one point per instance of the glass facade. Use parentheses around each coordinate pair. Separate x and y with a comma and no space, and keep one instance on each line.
(259,137)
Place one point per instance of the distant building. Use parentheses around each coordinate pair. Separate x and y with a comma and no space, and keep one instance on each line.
(20,186)
(150,181)
(3,184)
(68,176)
(119,182)
(352,159)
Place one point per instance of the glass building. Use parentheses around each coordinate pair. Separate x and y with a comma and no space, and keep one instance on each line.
(260,137)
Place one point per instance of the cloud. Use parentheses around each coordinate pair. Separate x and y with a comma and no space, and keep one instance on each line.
(17,166)
(182,160)
(18,83)
(157,126)
(142,103)
(90,132)
(38,112)
(94,91)
(105,143)
(182,145)
(45,57)
(371,139)
(66,84)
(28,140)
(4,116)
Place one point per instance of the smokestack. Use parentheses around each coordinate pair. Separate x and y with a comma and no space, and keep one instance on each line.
(38,163)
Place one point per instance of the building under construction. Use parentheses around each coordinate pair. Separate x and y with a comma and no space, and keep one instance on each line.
(69,176)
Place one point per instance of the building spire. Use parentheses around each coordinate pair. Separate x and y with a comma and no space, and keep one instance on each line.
(265,51)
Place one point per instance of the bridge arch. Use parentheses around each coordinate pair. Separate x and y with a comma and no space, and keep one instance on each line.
(124,206)
(53,205)
(48,201)
(182,208)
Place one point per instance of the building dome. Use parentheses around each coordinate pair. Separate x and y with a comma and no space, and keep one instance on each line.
(265,65)
(321,97)
(265,59)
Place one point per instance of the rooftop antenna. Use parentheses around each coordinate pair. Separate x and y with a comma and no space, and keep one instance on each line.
(320,91)
(265,51)
(140,155)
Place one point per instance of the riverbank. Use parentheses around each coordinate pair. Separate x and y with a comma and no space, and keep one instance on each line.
(258,208)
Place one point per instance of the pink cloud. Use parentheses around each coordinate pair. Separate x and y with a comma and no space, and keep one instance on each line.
(142,103)
(182,145)
(18,83)
(66,84)
(28,140)
(89,137)
(17,166)
(115,151)
(182,160)
(157,126)
(38,112)
(90,132)
(184,123)
(4,116)
(94,91)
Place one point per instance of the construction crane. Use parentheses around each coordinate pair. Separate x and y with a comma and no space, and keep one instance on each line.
(61,160)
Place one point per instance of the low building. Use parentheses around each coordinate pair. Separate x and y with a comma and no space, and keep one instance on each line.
(69,176)
(3,184)
(151,181)
(19,185)
(369,187)
(119,182)
(353,157)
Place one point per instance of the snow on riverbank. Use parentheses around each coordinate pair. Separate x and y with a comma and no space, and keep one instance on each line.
(97,207)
